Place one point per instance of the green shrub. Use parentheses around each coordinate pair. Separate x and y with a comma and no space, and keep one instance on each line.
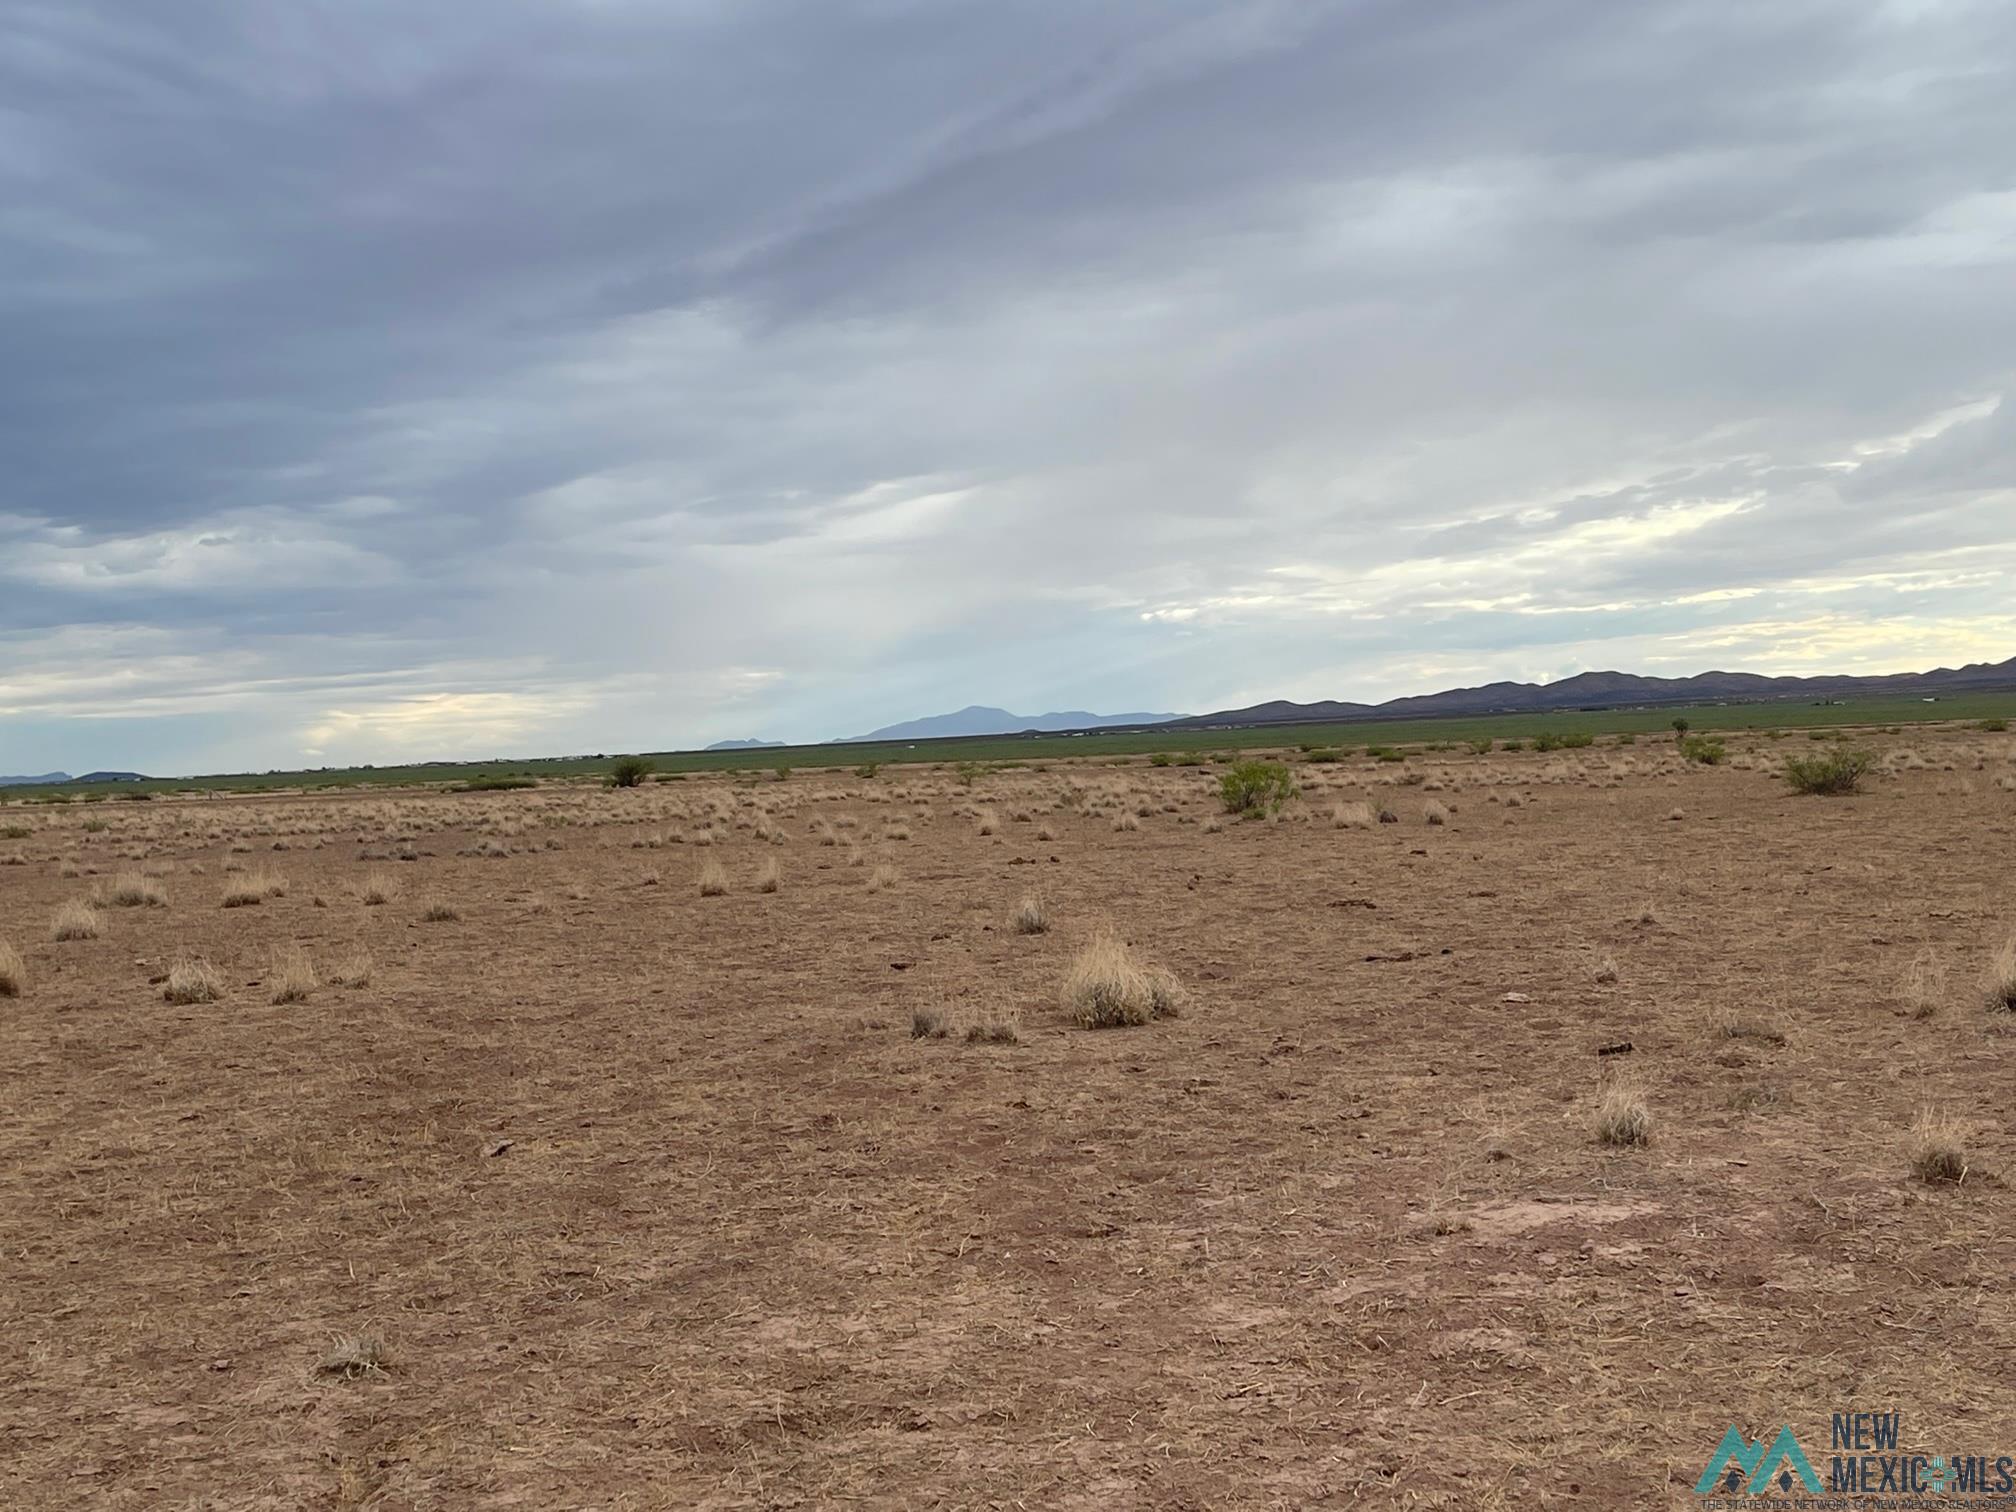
(1553,741)
(1993,726)
(1253,788)
(1319,755)
(1161,758)
(1829,772)
(629,772)
(867,769)
(967,771)
(1704,750)
(491,782)
(1481,746)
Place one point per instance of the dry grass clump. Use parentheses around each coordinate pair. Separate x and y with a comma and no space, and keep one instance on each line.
(192,980)
(76,920)
(254,888)
(989,821)
(927,1023)
(883,876)
(1126,822)
(13,971)
(351,1358)
(1924,987)
(713,879)
(1107,987)
(1045,832)
(1353,816)
(2002,979)
(293,975)
(1031,917)
(1435,813)
(378,888)
(1622,1117)
(438,912)
(354,970)
(767,875)
(994,1028)
(1936,1149)
(132,889)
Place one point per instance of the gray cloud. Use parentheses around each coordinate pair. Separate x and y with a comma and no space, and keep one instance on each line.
(547,375)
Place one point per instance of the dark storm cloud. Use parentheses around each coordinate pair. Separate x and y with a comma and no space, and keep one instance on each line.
(634,371)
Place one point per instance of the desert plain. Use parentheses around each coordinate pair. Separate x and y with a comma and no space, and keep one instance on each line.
(731,1142)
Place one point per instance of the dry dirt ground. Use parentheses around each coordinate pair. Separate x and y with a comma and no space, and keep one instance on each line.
(651,1199)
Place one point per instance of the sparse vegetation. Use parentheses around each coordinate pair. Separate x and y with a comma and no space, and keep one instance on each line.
(1704,750)
(13,971)
(1829,773)
(439,912)
(767,875)
(1252,789)
(713,878)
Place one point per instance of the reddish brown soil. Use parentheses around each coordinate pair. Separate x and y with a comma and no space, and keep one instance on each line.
(1340,1236)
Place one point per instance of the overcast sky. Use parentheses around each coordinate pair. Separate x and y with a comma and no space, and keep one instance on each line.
(404,378)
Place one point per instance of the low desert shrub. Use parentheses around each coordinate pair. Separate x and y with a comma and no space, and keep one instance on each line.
(13,971)
(1704,750)
(713,879)
(630,772)
(1828,773)
(1253,788)
(767,875)
(439,912)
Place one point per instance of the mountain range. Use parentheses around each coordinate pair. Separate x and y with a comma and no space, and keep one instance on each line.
(1610,690)
(978,719)
(50,779)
